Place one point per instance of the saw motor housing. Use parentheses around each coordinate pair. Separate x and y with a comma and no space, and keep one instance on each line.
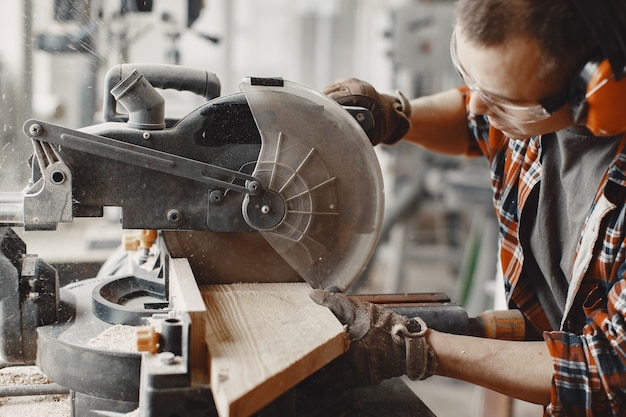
(272,158)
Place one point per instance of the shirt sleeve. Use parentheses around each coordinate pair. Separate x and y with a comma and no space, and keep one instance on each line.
(590,369)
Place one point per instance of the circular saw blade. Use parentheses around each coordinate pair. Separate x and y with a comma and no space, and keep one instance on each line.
(322,205)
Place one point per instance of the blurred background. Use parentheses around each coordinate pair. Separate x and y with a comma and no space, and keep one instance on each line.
(439,234)
(55,52)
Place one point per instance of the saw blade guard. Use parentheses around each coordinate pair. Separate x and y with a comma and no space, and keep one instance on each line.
(322,203)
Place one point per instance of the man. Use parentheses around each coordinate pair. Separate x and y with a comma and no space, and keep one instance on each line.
(559,196)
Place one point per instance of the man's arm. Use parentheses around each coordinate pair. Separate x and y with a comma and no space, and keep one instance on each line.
(386,344)
(522,370)
(439,123)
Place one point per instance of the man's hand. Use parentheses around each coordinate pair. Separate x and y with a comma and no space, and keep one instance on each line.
(391,114)
(384,344)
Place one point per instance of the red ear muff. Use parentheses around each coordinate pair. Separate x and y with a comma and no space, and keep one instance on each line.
(598,100)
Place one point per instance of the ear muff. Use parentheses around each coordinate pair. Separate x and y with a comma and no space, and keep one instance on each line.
(598,100)
(598,92)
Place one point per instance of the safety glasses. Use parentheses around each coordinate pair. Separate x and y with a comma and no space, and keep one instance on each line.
(513,112)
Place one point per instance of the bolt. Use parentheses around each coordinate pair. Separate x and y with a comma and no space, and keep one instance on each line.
(360,117)
(266,209)
(35,129)
(146,135)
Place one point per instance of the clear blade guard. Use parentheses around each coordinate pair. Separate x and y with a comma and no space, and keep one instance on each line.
(319,161)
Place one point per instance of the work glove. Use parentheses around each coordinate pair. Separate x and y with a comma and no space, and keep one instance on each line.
(391,114)
(383,344)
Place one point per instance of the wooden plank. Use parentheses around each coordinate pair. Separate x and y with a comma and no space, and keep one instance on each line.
(263,339)
(185,296)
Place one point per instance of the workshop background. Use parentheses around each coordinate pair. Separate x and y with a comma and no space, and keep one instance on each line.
(438,235)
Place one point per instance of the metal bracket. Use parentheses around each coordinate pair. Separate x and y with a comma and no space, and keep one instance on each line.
(49,200)
(140,156)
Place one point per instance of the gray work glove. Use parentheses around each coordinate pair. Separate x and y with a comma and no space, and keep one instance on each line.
(383,344)
(391,114)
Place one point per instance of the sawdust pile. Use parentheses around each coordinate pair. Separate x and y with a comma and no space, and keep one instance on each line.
(30,406)
(116,338)
(27,375)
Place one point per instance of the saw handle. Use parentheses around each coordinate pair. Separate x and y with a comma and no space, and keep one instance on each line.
(195,80)
(498,324)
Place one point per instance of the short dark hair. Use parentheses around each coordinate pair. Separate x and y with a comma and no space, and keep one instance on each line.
(566,41)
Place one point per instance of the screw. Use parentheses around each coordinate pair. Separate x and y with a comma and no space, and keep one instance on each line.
(360,117)
(254,187)
(35,129)
(216,197)
(146,135)
(266,209)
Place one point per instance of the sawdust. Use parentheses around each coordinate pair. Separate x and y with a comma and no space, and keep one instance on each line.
(116,338)
(35,405)
(27,375)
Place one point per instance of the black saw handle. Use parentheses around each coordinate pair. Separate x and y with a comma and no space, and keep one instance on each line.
(195,80)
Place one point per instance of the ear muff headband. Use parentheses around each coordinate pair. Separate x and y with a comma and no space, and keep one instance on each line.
(598,96)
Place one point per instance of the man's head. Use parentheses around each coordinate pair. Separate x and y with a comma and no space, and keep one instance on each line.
(557,26)
(527,51)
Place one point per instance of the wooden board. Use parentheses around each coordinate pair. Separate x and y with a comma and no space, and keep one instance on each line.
(185,296)
(263,339)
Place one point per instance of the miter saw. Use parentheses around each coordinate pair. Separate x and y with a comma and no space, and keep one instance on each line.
(273,183)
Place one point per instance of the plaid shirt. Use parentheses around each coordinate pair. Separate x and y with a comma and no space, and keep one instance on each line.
(589,350)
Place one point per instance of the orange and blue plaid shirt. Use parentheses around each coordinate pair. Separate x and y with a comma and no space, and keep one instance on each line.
(589,350)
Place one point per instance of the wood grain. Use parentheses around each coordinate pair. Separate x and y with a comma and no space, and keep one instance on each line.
(263,339)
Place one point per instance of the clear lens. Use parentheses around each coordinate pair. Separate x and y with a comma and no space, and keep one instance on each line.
(513,113)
